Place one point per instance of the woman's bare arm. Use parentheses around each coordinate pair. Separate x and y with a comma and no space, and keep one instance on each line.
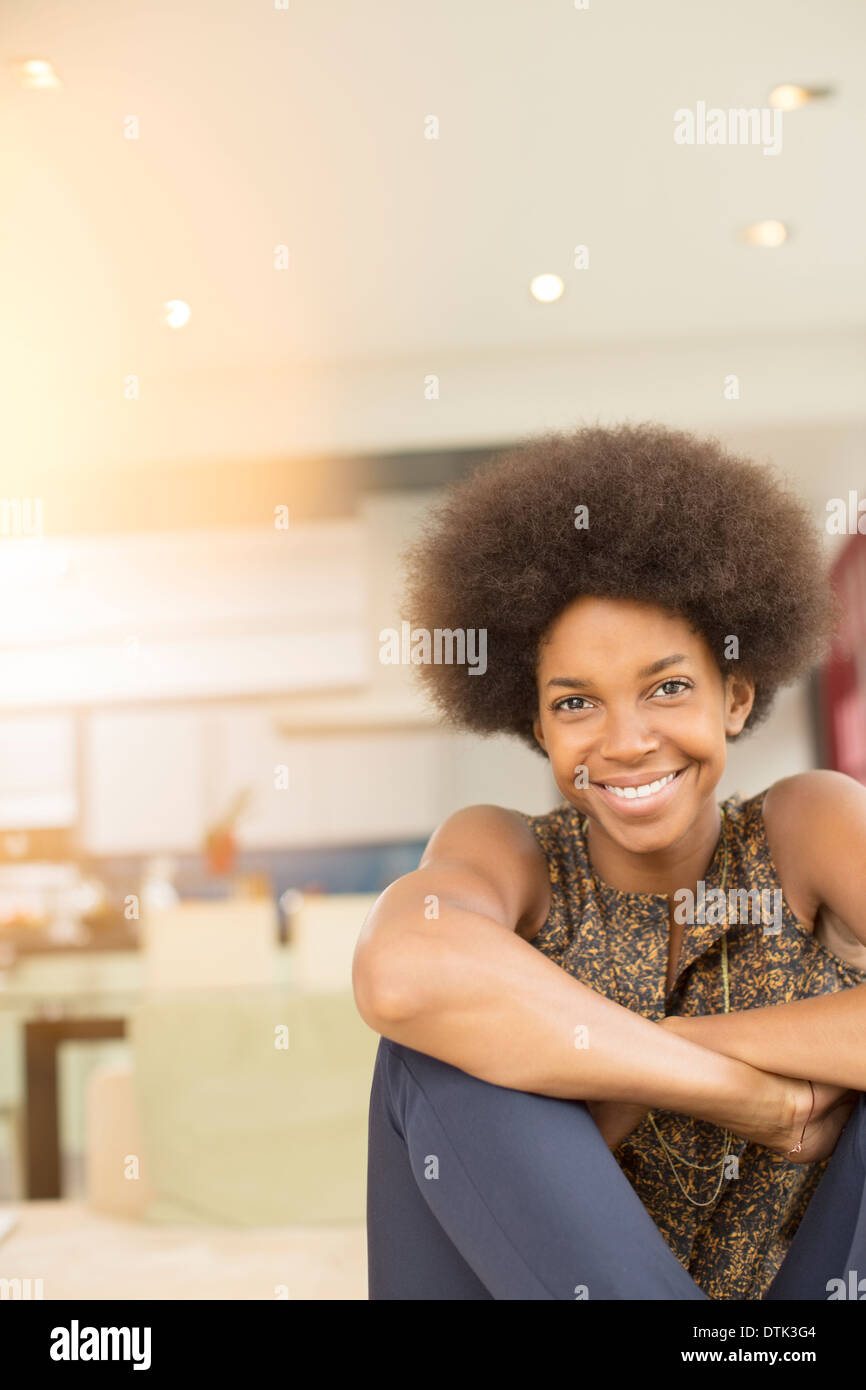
(816,828)
(466,987)
(821,1039)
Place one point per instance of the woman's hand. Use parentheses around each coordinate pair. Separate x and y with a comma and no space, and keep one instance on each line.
(818,1125)
(819,1130)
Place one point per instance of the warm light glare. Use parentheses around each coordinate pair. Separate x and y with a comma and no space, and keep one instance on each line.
(546,288)
(765,234)
(32,562)
(37,72)
(788,96)
(175,313)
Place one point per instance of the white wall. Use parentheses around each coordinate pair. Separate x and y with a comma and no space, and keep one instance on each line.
(484,395)
(366,760)
(199,613)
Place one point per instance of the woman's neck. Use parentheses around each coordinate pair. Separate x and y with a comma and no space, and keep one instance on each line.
(681,865)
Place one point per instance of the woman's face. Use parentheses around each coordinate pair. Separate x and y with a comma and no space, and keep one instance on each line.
(631,694)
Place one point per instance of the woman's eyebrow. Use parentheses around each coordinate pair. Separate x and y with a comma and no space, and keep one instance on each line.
(572,682)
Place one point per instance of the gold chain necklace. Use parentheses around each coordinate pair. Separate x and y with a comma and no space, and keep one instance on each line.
(670,1153)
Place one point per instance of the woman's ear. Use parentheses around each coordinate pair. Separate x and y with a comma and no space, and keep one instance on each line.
(739,698)
(539,736)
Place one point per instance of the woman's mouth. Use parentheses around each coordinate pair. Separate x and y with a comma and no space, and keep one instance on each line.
(640,798)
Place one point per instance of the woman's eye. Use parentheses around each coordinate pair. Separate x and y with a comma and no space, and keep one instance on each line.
(684,685)
(568,703)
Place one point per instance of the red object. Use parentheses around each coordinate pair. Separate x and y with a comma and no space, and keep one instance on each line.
(843,678)
(221,851)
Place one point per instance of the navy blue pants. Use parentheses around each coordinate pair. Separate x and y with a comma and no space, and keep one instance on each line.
(481,1191)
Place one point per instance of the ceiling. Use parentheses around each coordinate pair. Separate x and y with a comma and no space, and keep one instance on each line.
(304,127)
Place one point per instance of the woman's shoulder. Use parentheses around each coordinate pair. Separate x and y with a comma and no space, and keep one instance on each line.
(801,816)
(790,806)
(801,808)
(483,824)
(499,845)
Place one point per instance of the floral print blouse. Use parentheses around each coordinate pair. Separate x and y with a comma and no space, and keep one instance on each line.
(617,943)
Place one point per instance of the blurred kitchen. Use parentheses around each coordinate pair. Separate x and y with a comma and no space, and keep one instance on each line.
(270,280)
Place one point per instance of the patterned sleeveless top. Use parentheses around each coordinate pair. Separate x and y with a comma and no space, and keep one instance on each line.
(617,943)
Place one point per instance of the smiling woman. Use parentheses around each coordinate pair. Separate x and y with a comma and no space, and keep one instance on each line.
(559,1013)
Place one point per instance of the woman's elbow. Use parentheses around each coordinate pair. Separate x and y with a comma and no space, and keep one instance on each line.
(383,993)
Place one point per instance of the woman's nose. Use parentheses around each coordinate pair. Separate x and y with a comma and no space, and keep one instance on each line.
(626,737)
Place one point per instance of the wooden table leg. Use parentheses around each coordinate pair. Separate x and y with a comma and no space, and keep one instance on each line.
(42,1176)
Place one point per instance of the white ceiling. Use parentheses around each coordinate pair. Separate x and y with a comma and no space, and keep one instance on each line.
(305,126)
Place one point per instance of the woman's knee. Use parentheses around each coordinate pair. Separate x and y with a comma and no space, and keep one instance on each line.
(456,1094)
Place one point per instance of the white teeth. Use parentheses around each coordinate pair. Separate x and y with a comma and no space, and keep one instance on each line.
(647,789)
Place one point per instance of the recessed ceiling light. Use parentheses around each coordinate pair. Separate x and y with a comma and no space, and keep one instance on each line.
(546,288)
(768,233)
(176,313)
(789,95)
(36,72)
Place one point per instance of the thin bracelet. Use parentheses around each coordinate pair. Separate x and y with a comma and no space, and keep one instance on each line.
(798,1146)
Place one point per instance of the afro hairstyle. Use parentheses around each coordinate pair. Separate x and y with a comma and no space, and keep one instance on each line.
(670,518)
